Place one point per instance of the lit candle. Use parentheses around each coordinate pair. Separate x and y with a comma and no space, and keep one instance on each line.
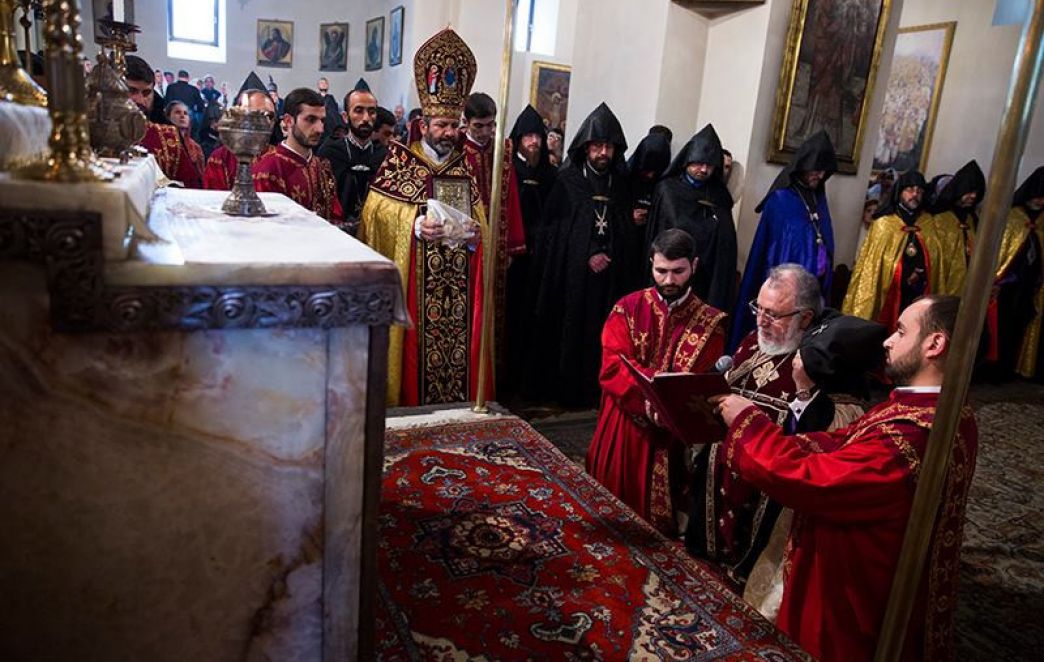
(117,11)
(244,100)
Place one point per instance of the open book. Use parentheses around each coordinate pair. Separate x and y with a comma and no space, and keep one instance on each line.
(681,401)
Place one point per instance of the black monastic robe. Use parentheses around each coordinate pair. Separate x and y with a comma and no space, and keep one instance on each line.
(354,168)
(704,210)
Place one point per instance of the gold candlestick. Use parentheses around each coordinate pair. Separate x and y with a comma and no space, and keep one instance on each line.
(120,42)
(15,83)
(71,158)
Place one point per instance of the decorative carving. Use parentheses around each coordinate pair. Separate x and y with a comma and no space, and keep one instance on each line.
(69,244)
(199,308)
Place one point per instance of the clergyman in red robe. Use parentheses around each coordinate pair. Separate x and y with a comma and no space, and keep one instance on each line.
(851,491)
(220,172)
(292,168)
(664,328)
(164,141)
(480,113)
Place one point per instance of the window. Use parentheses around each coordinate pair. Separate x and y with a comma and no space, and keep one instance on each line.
(196,30)
(536,26)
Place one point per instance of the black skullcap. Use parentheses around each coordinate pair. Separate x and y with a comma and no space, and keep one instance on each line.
(837,350)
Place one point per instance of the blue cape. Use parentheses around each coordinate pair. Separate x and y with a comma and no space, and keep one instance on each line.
(784,235)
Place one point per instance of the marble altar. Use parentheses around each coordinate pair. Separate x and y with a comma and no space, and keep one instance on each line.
(190,452)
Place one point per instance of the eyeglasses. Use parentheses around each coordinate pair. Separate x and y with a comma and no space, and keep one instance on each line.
(769,315)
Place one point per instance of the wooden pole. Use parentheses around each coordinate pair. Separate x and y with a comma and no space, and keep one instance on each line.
(489,247)
(1011,142)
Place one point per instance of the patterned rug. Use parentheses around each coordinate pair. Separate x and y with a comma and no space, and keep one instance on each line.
(1001,594)
(493,545)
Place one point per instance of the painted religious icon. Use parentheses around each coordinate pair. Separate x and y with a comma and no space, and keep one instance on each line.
(374,43)
(832,51)
(333,47)
(912,96)
(398,20)
(275,43)
(549,92)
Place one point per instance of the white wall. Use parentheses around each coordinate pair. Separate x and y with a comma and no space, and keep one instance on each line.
(390,84)
(682,71)
(522,63)
(731,76)
(652,62)
(479,22)
(976,86)
(617,58)
(844,192)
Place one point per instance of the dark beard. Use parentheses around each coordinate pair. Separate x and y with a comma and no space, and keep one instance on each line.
(363,132)
(301,139)
(902,370)
(532,158)
(671,298)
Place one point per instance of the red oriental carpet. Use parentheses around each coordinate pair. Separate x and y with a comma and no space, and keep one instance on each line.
(495,546)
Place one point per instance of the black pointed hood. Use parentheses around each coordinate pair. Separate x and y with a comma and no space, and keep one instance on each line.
(361,86)
(530,121)
(1033,187)
(816,153)
(969,179)
(252,82)
(653,154)
(600,126)
(905,180)
(704,147)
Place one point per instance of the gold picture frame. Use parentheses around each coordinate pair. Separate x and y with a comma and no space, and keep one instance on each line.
(275,43)
(827,78)
(549,92)
(922,53)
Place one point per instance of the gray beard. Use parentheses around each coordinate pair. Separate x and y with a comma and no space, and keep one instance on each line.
(437,146)
(787,346)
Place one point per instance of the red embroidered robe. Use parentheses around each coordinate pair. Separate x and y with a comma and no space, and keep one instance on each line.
(307,181)
(511,236)
(851,491)
(735,518)
(437,359)
(220,172)
(628,454)
(179,157)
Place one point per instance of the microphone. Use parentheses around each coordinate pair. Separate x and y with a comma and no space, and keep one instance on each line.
(723,364)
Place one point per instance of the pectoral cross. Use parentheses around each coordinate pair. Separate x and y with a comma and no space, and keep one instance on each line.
(765,373)
(601,224)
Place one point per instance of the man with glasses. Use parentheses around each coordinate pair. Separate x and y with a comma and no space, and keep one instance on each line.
(730,521)
(851,491)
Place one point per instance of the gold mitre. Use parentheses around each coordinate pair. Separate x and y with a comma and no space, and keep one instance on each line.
(444,69)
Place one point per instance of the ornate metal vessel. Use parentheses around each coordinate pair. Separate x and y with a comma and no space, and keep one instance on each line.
(245,133)
(116,123)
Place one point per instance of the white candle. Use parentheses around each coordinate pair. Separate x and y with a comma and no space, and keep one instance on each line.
(117,11)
